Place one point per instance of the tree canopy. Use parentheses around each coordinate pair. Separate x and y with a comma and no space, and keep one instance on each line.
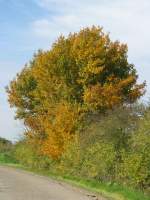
(84,72)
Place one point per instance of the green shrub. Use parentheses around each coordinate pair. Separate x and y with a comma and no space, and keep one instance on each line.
(135,169)
(99,161)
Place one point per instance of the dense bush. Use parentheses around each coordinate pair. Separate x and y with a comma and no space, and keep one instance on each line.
(6,151)
(136,164)
(113,148)
(5,145)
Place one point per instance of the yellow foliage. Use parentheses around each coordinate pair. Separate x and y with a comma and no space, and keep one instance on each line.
(60,131)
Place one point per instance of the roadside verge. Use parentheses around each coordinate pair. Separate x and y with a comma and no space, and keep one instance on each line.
(108,191)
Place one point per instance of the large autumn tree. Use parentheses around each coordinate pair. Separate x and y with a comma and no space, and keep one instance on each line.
(84,72)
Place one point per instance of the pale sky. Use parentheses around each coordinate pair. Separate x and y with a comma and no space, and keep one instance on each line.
(29,25)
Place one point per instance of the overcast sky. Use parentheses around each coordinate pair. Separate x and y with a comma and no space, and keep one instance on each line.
(29,25)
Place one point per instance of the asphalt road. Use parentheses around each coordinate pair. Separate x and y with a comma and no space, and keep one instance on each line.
(17,184)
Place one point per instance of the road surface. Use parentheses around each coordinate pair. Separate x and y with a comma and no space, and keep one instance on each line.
(17,184)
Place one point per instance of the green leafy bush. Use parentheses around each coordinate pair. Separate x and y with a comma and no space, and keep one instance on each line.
(136,164)
(99,161)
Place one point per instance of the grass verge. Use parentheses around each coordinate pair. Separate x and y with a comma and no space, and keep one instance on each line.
(109,191)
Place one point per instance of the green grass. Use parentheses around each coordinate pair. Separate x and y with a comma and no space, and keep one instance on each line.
(110,191)
(6,158)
